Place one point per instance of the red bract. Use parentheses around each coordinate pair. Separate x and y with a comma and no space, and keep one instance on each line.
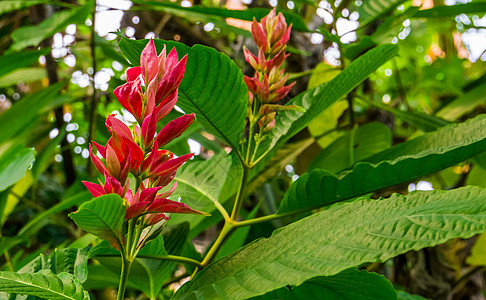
(111,186)
(161,76)
(136,150)
(272,34)
(153,206)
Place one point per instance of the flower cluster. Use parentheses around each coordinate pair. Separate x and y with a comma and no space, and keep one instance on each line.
(149,94)
(267,86)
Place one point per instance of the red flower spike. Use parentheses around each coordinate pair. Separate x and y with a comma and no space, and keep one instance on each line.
(112,163)
(155,218)
(169,192)
(149,63)
(174,74)
(95,189)
(126,150)
(133,73)
(130,97)
(101,149)
(174,129)
(259,35)
(162,205)
(97,161)
(115,125)
(166,105)
(163,180)
(162,62)
(149,127)
(111,186)
(155,157)
(170,165)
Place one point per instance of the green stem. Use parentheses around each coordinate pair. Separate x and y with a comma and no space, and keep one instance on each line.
(125,270)
(176,258)
(270,217)
(225,232)
(240,194)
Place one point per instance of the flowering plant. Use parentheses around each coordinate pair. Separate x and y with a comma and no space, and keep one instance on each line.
(149,95)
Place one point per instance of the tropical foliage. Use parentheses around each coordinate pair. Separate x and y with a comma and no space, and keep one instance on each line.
(244,149)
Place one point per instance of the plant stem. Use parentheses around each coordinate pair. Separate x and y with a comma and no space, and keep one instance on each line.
(176,258)
(126,264)
(240,194)
(225,232)
(270,217)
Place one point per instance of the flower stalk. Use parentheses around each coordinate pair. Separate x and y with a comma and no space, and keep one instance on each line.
(266,89)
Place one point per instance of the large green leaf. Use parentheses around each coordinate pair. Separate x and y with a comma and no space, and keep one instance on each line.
(344,236)
(70,260)
(22,75)
(201,184)
(423,155)
(197,10)
(355,145)
(10,5)
(452,10)
(464,104)
(43,284)
(364,286)
(33,35)
(420,120)
(12,61)
(371,10)
(14,165)
(316,100)
(23,114)
(103,217)
(212,87)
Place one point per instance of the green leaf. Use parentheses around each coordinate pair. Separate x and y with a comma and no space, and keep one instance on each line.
(284,156)
(478,252)
(70,260)
(452,10)
(8,242)
(371,10)
(11,5)
(33,35)
(424,122)
(199,11)
(28,108)
(212,87)
(14,164)
(364,286)
(420,156)
(354,146)
(316,100)
(13,61)
(464,104)
(43,284)
(46,155)
(43,219)
(22,75)
(199,183)
(344,236)
(103,217)
(402,295)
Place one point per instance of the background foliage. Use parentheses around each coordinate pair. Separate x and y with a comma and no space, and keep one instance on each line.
(394,98)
